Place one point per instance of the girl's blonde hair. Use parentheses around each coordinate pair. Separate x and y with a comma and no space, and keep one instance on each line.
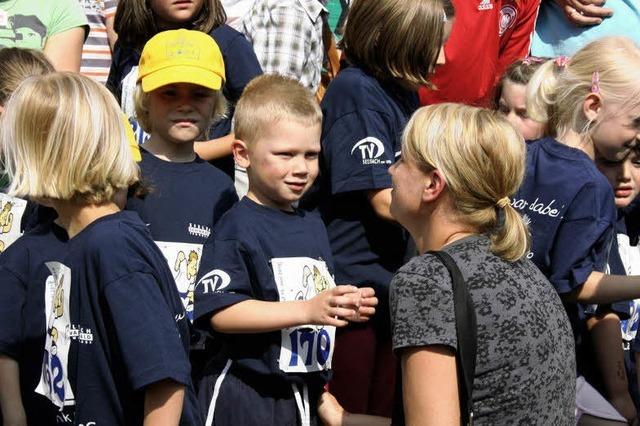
(17,64)
(557,90)
(396,39)
(63,137)
(482,159)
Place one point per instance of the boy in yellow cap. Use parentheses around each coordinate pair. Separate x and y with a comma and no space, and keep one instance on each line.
(178,98)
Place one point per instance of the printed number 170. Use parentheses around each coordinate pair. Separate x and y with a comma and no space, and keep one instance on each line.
(303,342)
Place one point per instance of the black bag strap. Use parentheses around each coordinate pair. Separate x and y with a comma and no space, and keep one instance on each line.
(466,330)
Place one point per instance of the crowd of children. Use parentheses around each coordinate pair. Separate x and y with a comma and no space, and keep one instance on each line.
(198,243)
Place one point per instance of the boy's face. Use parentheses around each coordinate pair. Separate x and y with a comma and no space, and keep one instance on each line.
(180,112)
(624,177)
(283,163)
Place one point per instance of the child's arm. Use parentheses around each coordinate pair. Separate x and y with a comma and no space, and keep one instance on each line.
(604,288)
(606,341)
(380,201)
(332,414)
(214,148)
(10,399)
(163,403)
(331,307)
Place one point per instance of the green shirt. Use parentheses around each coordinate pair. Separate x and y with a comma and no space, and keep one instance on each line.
(29,23)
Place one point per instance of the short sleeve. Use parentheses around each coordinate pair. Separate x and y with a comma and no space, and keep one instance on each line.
(223,279)
(358,150)
(421,304)
(583,240)
(110,7)
(147,330)
(12,301)
(67,14)
(241,66)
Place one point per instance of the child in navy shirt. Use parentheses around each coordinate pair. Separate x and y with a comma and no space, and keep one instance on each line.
(366,108)
(179,83)
(116,334)
(591,106)
(265,284)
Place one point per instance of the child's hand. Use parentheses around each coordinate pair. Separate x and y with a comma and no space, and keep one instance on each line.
(366,307)
(333,306)
(329,410)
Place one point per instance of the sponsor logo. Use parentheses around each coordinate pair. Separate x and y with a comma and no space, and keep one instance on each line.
(485,5)
(508,15)
(370,150)
(214,281)
(199,230)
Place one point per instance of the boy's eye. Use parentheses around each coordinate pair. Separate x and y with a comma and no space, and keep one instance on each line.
(285,154)
(311,155)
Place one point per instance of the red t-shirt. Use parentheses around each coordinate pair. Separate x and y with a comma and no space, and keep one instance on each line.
(487,36)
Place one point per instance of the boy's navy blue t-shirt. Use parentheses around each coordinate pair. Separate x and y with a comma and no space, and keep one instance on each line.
(249,244)
(115,325)
(185,201)
(361,138)
(23,275)
(570,209)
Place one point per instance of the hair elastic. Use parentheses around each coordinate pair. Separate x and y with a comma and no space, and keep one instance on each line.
(562,61)
(530,60)
(503,202)
(595,82)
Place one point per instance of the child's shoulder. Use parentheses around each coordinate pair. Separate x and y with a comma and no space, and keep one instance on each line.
(559,160)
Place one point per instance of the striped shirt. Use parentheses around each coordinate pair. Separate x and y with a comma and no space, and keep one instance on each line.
(96,52)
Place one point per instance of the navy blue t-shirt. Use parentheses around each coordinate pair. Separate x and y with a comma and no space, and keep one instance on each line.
(23,274)
(249,244)
(570,208)
(115,325)
(361,138)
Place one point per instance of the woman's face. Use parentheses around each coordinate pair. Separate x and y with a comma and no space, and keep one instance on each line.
(407,189)
(513,104)
(175,13)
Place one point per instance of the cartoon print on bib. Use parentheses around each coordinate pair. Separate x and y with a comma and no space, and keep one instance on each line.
(184,261)
(54,380)
(11,211)
(306,348)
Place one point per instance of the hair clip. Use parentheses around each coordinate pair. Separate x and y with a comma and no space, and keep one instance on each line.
(530,60)
(561,61)
(595,82)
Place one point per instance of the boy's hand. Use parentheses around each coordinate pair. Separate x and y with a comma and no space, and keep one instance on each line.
(333,306)
(366,307)
(330,411)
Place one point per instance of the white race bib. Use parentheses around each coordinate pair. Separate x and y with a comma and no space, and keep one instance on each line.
(11,211)
(307,348)
(184,261)
(54,379)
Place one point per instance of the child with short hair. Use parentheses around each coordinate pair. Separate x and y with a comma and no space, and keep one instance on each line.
(116,343)
(265,284)
(178,98)
(511,97)
(591,108)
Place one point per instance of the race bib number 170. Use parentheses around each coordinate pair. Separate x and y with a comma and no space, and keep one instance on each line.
(307,348)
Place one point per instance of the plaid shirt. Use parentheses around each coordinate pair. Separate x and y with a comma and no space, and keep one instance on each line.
(287,38)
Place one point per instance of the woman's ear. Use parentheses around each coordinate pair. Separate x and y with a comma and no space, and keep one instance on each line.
(240,153)
(592,106)
(434,184)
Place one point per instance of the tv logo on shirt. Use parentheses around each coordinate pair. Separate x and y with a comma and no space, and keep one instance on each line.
(370,149)
(214,281)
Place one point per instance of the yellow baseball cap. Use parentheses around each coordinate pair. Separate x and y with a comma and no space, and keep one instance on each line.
(181,56)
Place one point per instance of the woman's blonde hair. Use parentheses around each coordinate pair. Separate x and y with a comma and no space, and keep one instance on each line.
(482,159)
(63,138)
(557,90)
(17,64)
(269,98)
(141,101)
(396,39)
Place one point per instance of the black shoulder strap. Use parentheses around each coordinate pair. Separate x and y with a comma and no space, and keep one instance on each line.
(466,330)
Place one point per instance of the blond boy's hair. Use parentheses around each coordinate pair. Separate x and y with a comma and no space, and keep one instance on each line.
(268,99)
(397,39)
(63,138)
(482,159)
(557,90)
(141,101)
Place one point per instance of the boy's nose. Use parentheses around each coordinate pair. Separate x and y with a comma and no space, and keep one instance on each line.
(300,166)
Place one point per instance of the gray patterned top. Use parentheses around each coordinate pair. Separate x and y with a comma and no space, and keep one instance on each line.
(525,366)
